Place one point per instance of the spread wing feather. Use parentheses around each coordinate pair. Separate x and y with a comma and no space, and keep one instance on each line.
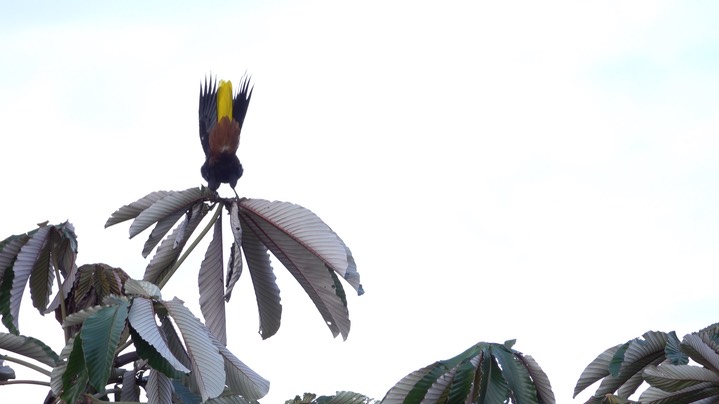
(208,112)
(242,100)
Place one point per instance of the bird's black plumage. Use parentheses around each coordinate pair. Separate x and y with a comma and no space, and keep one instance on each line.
(220,138)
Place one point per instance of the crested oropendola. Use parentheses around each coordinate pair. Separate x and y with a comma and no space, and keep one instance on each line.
(221,118)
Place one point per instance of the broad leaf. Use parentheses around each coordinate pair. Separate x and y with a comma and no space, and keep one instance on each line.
(540,379)
(515,374)
(131,211)
(165,207)
(212,288)
(29,347)
(160,230)
(699,348)
(100,336)
(130,390)
(693,394)
(234,267)
(207,363)
(678,377)
(398,393)
(311,271)
(9,248)
(240,378)
(75,375)
(159,388)
(142,320)
(264,282)
(143,289)
(169,250)
(24,264)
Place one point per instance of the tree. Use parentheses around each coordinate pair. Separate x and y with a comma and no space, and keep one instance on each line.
(663,362)
(485,373)
(121,335)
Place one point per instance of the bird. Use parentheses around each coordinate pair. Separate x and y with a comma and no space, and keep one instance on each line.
(221,117)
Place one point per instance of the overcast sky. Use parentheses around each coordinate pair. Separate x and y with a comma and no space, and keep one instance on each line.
(545,171)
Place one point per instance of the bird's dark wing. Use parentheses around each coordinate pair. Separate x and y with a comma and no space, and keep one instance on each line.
(208,112)
(242,101)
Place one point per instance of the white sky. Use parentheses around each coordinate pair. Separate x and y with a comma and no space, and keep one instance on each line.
(545,171)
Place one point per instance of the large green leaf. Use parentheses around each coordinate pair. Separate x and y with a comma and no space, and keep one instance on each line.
(207,363)
(403,388)
(75,375)
(165,207)
(497,389)
(9,248)
(142,320)
(264,281)
(596,370)
(100,336)
(212,288)
(29,347)
(515,374)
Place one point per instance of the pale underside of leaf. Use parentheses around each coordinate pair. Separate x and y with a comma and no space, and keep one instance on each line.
(304,227)
(438,391)
(168,252)
(309,270)
(167,206)
(264,282)
(67,285)
(596,370)
(142,319)
(678,377)
(10,250)
(212,288)
(698,348)
(130,390)
(142,288)
(160,230)
(234,267)
(23,268)
(131,211)
(540,379)
(207,363)
(241,379)
(159,388)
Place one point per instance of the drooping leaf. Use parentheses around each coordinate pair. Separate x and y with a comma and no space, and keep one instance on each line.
(160,230)
(400,391)
(309,270)
(142,320)
(164,207)
(539,378)
(159,388)
(615,365)
(497,389)
(169,250)
(24,264)
(596,370)
(302,226)
(130,390)
(28,347)
(699,349)
(9,248)
(212,288)
(79,317)
(234,267)
(264,282)
(207,363)
(100,337)
(156,361)
(240,378)
(75,375)
(131,211)
(42,274)
(5,288)
(515,374)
